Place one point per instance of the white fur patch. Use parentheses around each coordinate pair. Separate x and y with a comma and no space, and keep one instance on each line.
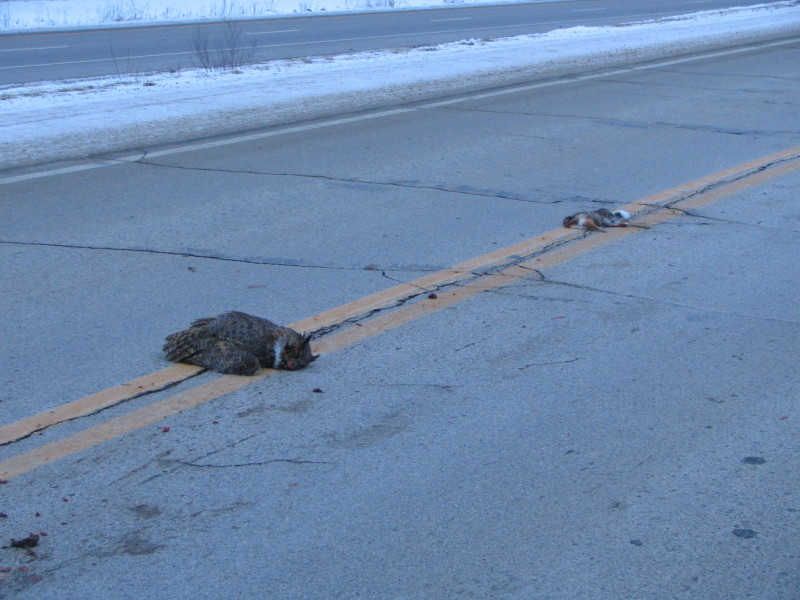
(278,350)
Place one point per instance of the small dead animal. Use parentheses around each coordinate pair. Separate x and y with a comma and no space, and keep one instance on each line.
(235,343)
(595,221)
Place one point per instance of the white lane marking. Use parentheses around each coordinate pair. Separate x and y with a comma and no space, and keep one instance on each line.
(589,9)
(201,146)
(28,49)
(454,19)
(271,32)
(355,39)
(93,60)
(191,147)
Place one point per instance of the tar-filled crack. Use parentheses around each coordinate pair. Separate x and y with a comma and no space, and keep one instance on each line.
(546,281)
(555,362)
(438,386)
(356,319)
(411,283)
(164,387)
(261,463)
(396,184)
(633,124)
(464,278)
(536,298)
(173,465)
(714,185)
(501,268)
(730,75)
(675,86)
(759,225)
(184,254)
(195,463)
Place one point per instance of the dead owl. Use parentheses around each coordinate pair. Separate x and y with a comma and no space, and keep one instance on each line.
(236,343)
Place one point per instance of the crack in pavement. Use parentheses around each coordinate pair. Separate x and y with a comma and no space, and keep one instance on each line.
(419,287)
(660,301)
(356,320)
(696,87)
(213,257)
(537,298)
(631,124)
(736,75)
(406,185)
(720,183)
(555,362)
(473,275)
(164,387)
(653,94)
(293,461)
(690,213)
(439,386)
(534,137)
(185,463)
(542,279)
(176,464)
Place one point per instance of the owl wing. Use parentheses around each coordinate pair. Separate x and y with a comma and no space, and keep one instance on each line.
(198,346)
(226,357)
(183,344)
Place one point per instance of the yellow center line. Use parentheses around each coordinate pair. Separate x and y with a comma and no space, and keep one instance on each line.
(358,308)
(97,401)
(363,306)
(701,191)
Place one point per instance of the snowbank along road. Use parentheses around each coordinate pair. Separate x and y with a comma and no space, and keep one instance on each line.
(76,119)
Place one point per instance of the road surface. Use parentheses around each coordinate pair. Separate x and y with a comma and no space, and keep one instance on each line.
(538,414)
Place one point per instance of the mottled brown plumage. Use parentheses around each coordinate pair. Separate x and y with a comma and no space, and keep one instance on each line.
(236,343)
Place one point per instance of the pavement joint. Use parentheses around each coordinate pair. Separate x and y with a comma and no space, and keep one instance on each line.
(47,425)
(293,461)
(749,101)
(185,254)
(666,302)
(348,180)
(690,213)
(732,75)
(357,319)
(631,123)
(554,362)
(536,298)
(438,386)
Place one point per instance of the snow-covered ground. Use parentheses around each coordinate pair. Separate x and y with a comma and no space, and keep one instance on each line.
(51,121)
(49,14)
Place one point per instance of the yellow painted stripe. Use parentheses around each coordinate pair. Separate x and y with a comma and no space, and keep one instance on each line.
(697,193)
(27,461)
(363,306)
(358,308)
(94,402)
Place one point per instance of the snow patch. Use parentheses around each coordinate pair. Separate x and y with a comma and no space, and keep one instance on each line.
(50,121)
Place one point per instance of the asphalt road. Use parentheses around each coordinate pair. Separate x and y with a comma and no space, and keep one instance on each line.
(125,51)
(614,418)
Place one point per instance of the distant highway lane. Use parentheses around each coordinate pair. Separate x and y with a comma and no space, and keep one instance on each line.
(31,57)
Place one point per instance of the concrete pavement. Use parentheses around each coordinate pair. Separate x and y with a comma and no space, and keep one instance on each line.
(619,424)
